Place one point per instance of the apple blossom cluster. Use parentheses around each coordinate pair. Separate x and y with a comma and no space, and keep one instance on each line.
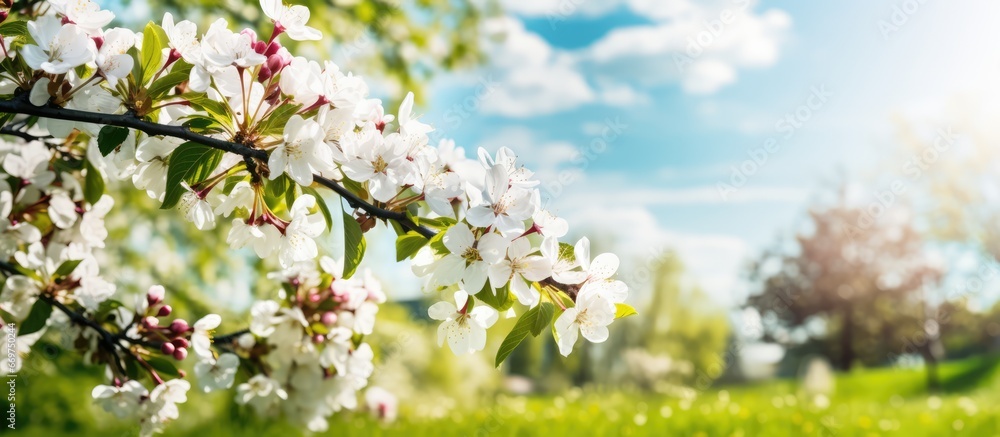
(307,348)
(229,126)
(51,231)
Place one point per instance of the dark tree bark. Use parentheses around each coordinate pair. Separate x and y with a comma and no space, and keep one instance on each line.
(847,339)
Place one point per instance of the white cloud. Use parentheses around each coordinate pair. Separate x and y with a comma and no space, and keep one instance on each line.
(706,77)
(534,79)
(700,45)
(622,95)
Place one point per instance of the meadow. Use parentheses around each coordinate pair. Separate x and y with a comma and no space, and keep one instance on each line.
(866,402)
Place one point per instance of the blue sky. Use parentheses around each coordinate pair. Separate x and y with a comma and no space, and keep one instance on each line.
(567,67)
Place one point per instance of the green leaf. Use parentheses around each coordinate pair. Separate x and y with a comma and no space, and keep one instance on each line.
(109,306)
(622,311)
(154,39)
(231,182)
(567,252)
(408,244)
(440,223)
(437,243)
(136,67)
(110,137)
(201,124)
(277,187)
(14,28)
(524,326)
(36,319)
(275,123)
(178,74)
(67,267)
(323,207)
(6,118)
(163,366)
(500,299)
(191,163)
(354,245)
(93,184)
(290,194)
(355,188)
(217,110)
(545,312)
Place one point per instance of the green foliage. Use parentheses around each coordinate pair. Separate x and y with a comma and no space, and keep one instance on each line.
(217,111)
(870,402)
(14,29)
(154,40)
(163,366)
(500,299)
(275,123)
(321,203)
(681,322)
(162,86)
(191,163)
(93,184)
(110,137)
(66,268)
(408,244)
(532,321)
(354,245)
(36,319)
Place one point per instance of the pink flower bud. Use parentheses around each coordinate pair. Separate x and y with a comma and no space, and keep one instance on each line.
(164,311)
(155,295)
(329,318)
(167,348)
(315,297)
(98,41)
(264,74)
(173,56)
(150,322)
(3,16)
(260,47)
(318,338)
(274,63)
(180,343)
(272,48)
(179,326)
(180,354)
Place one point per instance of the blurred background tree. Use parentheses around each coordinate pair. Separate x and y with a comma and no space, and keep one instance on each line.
(852,286)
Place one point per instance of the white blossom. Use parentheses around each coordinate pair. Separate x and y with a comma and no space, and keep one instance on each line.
(217,374)
(58,48)
(591,317)
(121,401)
(290,19)
(465,330)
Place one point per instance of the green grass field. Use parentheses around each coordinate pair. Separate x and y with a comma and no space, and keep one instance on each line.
(866,403)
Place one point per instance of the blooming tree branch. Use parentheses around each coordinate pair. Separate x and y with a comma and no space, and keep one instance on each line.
(228,125)
(20,105)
